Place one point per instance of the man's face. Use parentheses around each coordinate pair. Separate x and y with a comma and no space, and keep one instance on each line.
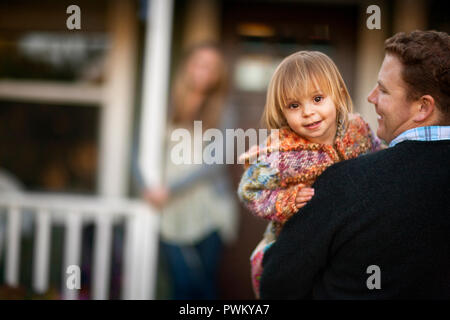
(394,111)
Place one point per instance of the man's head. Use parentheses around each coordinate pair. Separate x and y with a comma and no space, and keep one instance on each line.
(413,88)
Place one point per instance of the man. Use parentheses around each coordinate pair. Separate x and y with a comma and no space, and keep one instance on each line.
(378,226)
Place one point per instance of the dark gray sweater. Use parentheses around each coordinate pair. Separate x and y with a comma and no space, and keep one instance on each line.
(390,209)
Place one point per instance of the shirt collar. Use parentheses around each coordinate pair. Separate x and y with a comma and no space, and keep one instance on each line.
(430,133)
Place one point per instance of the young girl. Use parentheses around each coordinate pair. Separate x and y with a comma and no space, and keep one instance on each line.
(308,102)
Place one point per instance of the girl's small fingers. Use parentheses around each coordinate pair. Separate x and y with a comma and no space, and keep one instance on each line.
(301,202)
(303,198)
(300,205)
(305,193)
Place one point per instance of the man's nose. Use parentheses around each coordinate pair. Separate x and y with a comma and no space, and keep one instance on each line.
(372,95)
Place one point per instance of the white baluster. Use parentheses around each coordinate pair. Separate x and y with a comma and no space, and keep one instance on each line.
(130,278)
(13,247)
(72,250)
(102,257)
(149,251)
(41,251)
(153,234)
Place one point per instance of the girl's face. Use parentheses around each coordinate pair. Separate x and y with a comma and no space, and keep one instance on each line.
(313,117)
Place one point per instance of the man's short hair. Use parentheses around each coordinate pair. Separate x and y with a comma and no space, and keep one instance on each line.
(425,56)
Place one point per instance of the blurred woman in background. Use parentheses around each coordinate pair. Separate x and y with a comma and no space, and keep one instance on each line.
(199,212)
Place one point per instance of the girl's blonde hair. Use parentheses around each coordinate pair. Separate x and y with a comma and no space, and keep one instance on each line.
(297,76)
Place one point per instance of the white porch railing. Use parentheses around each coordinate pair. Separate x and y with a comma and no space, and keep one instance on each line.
(140,241)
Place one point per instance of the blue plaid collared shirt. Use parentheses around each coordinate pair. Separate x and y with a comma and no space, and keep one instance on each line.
(431,133)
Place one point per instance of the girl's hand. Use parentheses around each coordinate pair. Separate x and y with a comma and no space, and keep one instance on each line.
(303,196)
(157,196)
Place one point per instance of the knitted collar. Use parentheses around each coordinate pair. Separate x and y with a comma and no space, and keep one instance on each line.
(349,141)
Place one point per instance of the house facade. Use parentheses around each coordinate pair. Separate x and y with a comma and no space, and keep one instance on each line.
(76,104)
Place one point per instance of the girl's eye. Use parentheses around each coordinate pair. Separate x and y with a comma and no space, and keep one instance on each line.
(318,99)
(293,106)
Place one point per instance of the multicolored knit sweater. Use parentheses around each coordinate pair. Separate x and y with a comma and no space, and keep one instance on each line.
(269,186)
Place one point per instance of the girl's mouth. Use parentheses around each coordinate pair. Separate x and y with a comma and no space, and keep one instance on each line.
(313,125)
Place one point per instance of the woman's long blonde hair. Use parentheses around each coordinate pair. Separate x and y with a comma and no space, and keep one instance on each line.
(212,108)
(298,75)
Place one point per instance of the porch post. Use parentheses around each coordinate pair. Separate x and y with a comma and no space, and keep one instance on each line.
(155,89)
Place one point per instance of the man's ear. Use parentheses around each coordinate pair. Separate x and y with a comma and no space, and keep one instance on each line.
(426,108)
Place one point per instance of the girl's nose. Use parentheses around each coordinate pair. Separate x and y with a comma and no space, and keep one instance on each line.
(307,110)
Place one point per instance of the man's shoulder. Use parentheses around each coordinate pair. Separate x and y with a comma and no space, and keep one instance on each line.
(363,163)
(374,165)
